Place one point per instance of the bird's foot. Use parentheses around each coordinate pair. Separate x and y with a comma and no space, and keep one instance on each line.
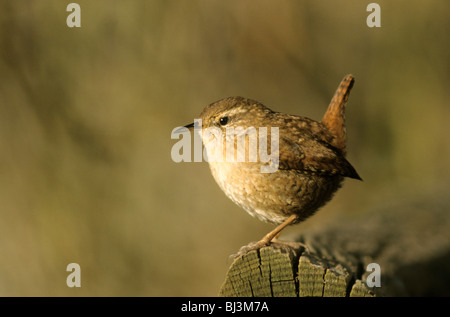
(252,246)
(290,245)
(257,245)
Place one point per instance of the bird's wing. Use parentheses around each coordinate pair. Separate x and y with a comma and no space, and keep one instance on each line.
(306,153)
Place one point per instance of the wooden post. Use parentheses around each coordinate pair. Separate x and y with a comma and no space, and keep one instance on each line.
(410,243)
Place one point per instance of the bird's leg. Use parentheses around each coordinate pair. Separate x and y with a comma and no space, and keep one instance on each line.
(275,232)
(267,239)
(272,237)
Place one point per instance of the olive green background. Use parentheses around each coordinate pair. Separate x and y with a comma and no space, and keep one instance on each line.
(86,116)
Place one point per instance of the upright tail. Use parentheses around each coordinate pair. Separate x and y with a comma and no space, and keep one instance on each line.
(334,118)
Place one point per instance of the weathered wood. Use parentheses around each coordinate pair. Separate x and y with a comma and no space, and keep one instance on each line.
(410,242)
(264,272)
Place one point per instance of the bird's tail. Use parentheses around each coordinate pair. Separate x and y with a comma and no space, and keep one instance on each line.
(334,118)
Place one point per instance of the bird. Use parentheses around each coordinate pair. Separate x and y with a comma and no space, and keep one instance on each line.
(309,168)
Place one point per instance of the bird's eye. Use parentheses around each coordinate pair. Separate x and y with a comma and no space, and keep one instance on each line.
(223,120)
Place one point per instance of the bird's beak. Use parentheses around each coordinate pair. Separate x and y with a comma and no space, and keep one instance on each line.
(190,125)
(182,129)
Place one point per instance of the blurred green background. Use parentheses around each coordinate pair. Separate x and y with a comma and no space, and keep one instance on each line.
(86,115)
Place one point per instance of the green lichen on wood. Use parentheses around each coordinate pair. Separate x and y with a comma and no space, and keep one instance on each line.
(310,276)
(282,272)
(264,273)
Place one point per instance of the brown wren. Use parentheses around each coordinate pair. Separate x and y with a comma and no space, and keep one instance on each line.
(310,166)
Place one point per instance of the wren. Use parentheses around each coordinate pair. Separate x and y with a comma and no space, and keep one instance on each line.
(311,163)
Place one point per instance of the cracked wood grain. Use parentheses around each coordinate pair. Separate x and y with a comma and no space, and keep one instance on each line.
(410,242)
